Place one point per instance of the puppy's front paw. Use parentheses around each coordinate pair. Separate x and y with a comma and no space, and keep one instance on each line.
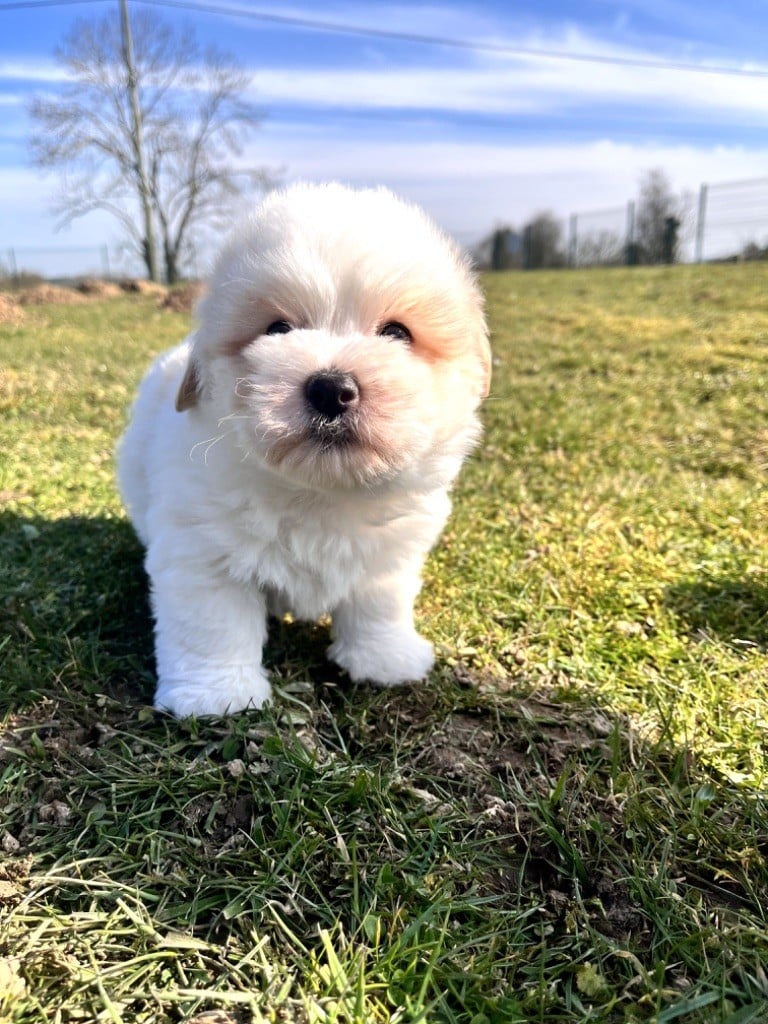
(391,659)
(220,691)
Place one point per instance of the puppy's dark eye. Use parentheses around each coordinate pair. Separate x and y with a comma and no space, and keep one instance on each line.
(395,330)
(279,327)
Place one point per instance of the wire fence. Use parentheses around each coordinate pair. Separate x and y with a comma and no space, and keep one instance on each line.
(733,220)
(68,262)
(599,238)
(728,222)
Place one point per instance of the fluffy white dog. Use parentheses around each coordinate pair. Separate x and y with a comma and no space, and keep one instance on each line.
(296,452)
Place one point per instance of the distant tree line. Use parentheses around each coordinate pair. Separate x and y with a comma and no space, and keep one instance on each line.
(653,236)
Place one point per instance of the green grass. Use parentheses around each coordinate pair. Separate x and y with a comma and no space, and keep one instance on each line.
(567,823)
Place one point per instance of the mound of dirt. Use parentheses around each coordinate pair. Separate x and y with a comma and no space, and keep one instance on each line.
(183,298)
(99,289)
(49,294)
(138,286)
(10,311)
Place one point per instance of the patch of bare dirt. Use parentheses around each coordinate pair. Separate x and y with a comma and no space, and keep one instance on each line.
(532,736)
(182,299)
(501,764)
(138,286)
(221,824)
(49,294)
(98,289)
(506,766)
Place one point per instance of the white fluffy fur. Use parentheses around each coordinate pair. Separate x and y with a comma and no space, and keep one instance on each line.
(242,509)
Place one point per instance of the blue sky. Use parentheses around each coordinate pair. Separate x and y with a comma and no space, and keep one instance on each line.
(477,135)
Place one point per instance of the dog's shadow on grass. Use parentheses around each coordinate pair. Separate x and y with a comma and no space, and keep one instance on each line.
(74,612)
(729,609)
(73,607)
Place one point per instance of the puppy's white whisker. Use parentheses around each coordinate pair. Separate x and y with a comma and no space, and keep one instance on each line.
(210,442)
(243,387)
(234,416)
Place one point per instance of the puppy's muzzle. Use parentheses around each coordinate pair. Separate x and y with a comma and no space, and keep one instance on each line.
(332,395)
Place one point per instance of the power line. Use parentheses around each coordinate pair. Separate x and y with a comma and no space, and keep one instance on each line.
(344,28)
(18,5)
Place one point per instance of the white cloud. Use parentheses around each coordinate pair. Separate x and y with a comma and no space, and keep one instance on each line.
(468,188)
(32,71)
(489,83)
(499,85)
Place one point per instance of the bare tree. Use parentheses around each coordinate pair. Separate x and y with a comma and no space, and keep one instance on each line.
(660,215)
(542,239)
(193,121)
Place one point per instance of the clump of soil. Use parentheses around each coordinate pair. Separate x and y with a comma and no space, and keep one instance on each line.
(184,298)
(10,311)
(138,286)
(49,294)
(99,289)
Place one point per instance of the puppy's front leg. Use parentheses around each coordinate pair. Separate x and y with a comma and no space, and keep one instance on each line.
(374,635)
(209,635)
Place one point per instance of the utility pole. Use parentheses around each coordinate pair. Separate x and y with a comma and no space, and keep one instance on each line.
(137,141)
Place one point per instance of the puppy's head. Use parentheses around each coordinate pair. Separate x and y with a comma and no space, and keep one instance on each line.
(342,340)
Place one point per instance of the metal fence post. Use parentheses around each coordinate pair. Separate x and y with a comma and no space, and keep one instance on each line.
(701,223)
(630,251)
(572,240)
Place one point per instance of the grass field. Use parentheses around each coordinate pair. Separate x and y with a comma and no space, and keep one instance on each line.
(567,823)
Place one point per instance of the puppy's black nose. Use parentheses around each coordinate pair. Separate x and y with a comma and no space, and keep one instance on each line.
(332,393)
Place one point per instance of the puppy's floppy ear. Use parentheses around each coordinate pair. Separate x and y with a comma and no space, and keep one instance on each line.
(189,389)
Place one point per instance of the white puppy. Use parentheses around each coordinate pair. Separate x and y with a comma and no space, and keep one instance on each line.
(295,453)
